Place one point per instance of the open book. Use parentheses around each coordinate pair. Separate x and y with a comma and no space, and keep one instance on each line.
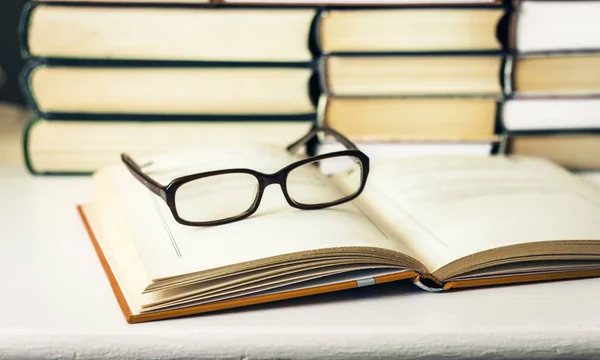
(443,222)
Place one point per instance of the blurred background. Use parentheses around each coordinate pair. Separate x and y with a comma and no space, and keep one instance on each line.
(12,115)
(10,57)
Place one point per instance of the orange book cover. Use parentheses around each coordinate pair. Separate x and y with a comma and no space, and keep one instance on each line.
(133,317)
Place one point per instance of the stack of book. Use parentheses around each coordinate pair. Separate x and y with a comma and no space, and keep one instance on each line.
(146,78)
(412,80)
(553,82)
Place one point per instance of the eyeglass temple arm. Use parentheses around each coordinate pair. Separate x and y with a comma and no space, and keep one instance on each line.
(137,172)
(328,131)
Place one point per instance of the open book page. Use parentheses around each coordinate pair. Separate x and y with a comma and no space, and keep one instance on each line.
(167,248)
(445,208)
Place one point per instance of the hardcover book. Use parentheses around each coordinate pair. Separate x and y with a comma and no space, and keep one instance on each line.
(441,222)
(554,74)
(168,91)
(409,30)
(84,146)
(412,75)
(552,83)
(563,130)
(551,25)
(574,149)
(525,114)
(411,119)
(171,34)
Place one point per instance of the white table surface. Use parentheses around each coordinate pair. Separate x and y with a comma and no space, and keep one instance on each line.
(55,302)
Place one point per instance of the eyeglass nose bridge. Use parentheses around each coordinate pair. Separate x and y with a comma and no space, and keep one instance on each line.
(276,178)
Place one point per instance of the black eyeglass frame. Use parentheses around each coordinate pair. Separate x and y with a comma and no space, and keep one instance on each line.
(167,192)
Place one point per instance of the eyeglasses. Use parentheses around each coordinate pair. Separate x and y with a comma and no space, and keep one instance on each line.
(224,196)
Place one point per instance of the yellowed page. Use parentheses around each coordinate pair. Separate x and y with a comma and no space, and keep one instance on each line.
(174,90)
(559,74)
(401,119)
(86,146)
(167,248)
(408,30)
(173,33)
(445,208)
(413,75)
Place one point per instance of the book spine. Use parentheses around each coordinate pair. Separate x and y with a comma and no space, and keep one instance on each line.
(317,25)
(25,84)
(508,135)
(320,121)
(497,147)
(503,29)
(321,109)
(26,143)
(501,74)
(313,40)
(501,147)
(322,71)
(24,24)
(513,11)
(314,88)
(508,76)
(498,128)
(428,283)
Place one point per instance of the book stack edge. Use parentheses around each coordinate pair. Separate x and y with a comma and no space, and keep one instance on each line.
(552,83)
(146,77)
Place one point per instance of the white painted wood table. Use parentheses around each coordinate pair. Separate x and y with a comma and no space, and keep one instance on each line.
(55,302)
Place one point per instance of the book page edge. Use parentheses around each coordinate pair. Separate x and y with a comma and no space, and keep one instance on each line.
(519,279)
(133,318)
(123,304)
